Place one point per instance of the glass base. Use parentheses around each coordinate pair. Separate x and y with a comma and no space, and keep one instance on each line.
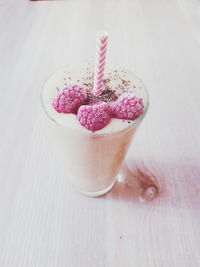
(98,193)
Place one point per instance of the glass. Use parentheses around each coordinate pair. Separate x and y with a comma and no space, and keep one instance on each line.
(92,160)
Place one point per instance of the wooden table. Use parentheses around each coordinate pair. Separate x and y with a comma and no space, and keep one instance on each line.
(43,222)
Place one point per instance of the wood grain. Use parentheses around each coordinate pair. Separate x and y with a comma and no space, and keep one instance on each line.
(43,222)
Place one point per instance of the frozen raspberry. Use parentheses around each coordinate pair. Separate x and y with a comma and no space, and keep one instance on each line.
(127,107)
(69,99)
(95,116)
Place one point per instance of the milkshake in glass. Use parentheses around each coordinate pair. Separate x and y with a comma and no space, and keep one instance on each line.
(95,136)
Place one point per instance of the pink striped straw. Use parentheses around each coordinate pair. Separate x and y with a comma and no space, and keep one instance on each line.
(102,40)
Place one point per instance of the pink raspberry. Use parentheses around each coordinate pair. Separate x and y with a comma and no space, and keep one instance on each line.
(69,99)
(95,116)
(127,107)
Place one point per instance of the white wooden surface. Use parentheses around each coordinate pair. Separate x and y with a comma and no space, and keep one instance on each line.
(43,222)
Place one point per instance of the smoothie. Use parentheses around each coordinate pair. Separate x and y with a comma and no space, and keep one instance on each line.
(93,158)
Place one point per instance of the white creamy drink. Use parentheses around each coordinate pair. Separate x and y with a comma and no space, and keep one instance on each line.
(93,158)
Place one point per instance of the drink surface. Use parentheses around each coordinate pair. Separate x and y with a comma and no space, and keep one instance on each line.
(116,82)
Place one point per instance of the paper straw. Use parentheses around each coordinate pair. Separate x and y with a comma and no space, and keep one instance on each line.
(102,40)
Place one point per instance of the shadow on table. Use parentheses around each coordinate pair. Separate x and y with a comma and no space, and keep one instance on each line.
(174,183)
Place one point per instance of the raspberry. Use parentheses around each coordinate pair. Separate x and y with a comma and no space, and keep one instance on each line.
(95,116)
(69,99)
(127,107)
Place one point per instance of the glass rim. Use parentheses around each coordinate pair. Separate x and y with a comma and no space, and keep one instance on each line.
(134,124)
